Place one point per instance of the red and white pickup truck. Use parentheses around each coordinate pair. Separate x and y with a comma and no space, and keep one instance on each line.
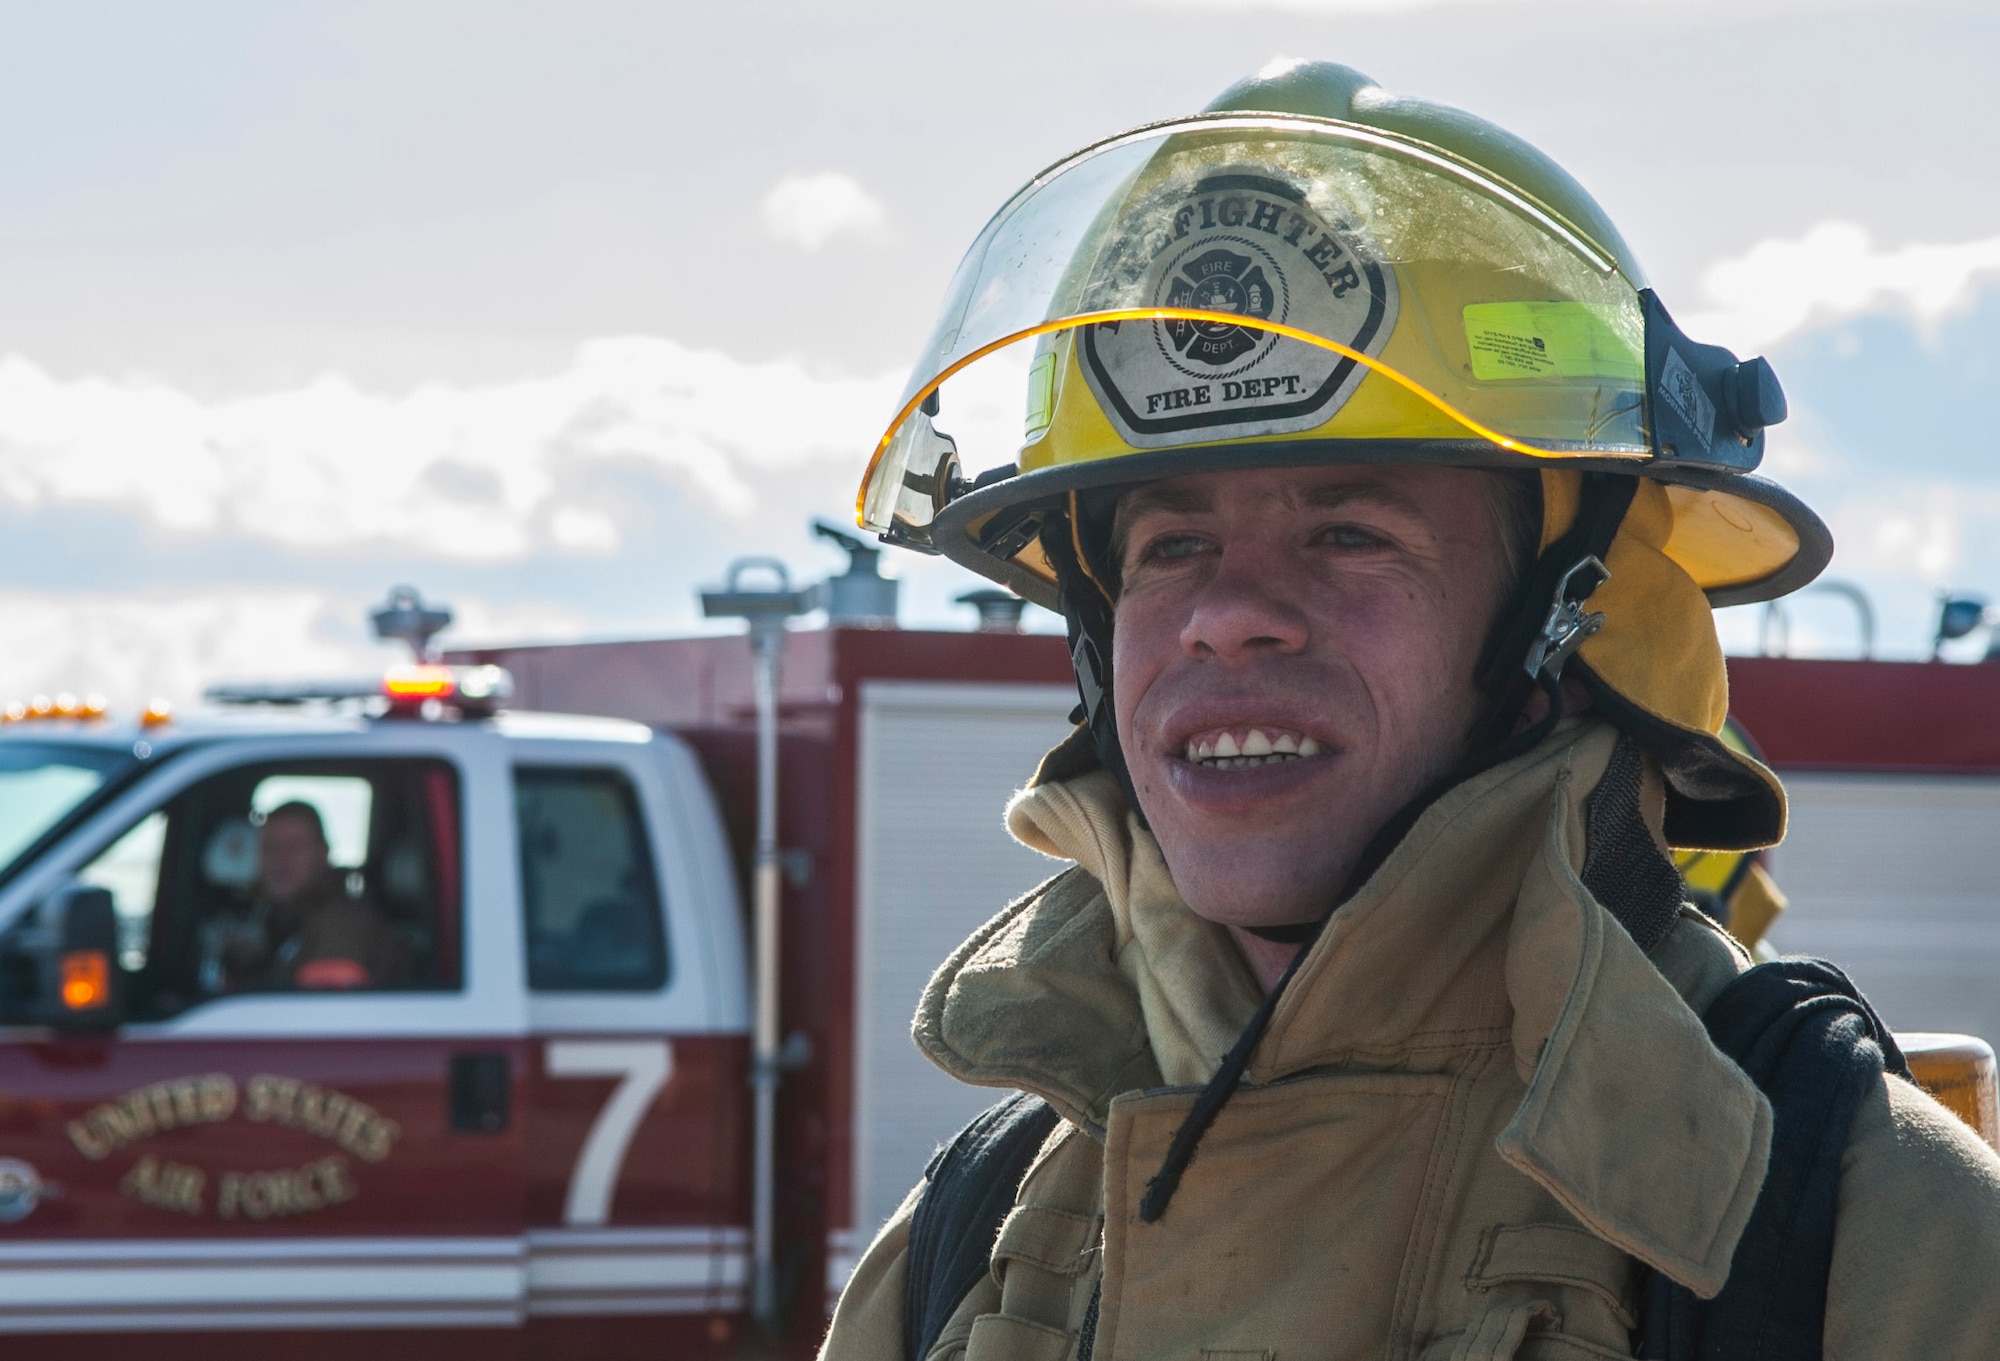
(534,1140)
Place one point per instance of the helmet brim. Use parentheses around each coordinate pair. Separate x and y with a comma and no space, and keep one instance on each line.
(971,528)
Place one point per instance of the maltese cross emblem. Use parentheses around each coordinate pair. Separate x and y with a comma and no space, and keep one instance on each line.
(1218,280)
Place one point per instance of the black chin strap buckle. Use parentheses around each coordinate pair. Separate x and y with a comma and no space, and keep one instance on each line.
(1567,625)
(1090,678)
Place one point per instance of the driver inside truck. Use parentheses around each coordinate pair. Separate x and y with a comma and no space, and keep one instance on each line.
(303,929)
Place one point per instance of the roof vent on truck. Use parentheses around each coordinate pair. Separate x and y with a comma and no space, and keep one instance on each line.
(406,618)
(861,595)
(999,611)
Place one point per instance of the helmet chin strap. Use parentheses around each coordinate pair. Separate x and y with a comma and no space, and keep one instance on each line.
(1088,610)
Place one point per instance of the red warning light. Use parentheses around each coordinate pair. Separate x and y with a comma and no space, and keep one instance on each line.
(411,684)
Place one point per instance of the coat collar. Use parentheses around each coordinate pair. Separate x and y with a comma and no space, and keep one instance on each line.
(1476,930)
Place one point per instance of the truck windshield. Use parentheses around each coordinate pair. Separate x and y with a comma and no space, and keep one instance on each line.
(42,782)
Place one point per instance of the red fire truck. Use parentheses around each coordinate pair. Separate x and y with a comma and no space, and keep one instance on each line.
(532,1135)
(532,1139)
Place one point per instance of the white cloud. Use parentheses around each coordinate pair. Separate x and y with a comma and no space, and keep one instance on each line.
(810,210)
(1927,533)
(583,531)
(467,473)
(487,475)
(1782,285)
(133,647)
(1901,541)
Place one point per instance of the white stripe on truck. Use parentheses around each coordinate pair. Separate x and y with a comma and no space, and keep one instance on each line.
(185,1284)
(637,1271)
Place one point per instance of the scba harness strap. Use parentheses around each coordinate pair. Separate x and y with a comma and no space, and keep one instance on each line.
(1798,1027)
(1816,1049)
(968,1190)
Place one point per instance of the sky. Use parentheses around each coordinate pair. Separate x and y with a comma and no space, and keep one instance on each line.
(551,310)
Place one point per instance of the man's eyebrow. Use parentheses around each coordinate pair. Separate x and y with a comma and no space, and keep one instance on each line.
(1172,500)
(1328,495)
(1164,497)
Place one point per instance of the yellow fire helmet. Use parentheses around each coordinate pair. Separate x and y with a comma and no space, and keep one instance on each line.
(1315,271)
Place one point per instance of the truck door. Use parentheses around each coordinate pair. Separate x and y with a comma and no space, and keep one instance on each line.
(309,1122)
(637,1110)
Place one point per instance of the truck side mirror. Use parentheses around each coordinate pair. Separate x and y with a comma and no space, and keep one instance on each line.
(60,968)
(87,978)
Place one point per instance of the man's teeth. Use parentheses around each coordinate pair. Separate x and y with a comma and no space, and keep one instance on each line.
(1258,748)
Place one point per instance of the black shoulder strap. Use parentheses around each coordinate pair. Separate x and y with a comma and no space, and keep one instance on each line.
(1814,1046)
(968,1190)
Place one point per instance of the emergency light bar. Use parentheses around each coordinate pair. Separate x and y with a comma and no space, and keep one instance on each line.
(290,692)
(474,691)
(62,706)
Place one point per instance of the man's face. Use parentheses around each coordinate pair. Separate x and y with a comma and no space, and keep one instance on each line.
(290,857)
(1293,662)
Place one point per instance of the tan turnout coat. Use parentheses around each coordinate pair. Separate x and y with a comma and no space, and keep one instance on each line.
(1479,1108)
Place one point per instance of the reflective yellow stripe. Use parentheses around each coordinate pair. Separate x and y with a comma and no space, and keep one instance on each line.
(1484,432)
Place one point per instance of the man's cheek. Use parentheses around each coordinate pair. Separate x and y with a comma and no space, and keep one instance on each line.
(1130,677)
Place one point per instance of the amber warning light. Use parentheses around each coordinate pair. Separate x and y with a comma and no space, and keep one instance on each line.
(86,979)
(90,707)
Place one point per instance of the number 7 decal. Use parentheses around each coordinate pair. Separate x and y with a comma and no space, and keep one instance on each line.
(644,1066)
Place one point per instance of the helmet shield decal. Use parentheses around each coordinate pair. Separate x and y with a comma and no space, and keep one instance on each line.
(1229,279)
(1245,244)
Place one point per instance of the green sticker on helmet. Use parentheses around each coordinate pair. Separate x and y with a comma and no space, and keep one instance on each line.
(1553,340)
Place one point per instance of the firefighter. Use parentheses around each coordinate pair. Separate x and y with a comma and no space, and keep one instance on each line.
(1386,507)
(306,930)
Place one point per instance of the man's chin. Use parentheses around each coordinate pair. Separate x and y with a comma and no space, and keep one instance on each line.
(1276,885)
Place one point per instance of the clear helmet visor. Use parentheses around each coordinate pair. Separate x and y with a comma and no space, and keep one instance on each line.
(1241,279)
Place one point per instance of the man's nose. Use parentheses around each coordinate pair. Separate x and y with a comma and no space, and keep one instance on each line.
(1245,607)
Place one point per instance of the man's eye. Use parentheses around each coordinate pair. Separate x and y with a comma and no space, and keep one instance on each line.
(1173,548)
(1348,536)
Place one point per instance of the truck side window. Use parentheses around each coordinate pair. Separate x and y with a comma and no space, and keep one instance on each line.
(290,877)
(588,889)
(129,869)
